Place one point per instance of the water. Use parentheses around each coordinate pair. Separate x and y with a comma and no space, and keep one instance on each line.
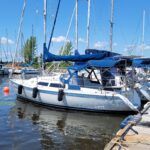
(24,125)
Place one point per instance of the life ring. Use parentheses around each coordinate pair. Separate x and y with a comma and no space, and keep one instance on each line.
(60,94)
(35,92)
(20,87)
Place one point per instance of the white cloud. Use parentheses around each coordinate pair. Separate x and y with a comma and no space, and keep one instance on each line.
(37,11)
(4,41)
(115,44)
(130,47)
(101,45)
(144,47)
(137,47)
(82,40)
(59,39)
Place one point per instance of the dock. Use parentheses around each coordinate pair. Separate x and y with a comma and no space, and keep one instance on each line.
(135,134)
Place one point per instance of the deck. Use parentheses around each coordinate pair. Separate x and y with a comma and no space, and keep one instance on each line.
(135,135)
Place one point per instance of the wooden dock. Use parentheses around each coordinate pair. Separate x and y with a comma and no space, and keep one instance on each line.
(135,135)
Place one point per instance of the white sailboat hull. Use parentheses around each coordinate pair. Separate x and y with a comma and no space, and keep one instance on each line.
(91,100)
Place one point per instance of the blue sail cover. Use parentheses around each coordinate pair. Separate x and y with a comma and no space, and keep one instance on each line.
(108,62)
(105,63)
(89,55)
(141,62)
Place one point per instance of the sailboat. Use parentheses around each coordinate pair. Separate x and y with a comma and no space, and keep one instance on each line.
(142,66)
(3,69)
(142,74)
(75,89)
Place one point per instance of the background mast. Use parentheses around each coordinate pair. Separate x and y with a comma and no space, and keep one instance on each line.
(1,54)
(44,23)
(111,25)
(143,33)
(45,17)
(88,22)
(19,32)
(76,26)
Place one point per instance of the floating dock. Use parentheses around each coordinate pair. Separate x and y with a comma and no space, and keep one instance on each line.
(135,132)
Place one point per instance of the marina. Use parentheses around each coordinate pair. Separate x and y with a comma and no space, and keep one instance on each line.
(64,86)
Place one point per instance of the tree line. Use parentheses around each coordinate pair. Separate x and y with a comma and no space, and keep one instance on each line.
(30,56)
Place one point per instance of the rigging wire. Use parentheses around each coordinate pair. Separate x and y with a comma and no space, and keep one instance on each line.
(55,19)
(66,37)
(94,19)
(69,27)
(134,42)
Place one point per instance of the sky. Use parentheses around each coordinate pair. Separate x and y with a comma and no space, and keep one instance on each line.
(127,33)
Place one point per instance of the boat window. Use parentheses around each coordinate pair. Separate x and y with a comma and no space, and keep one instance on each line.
(43,83)
(57,85)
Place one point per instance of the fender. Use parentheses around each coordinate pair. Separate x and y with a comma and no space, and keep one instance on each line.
(60,94)
(35,92)
(20,87)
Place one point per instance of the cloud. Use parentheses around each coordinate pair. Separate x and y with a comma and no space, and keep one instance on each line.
(130,47)
(115,44)
(82,40)
(144,47)
(59,39)
(4,41)
(101,45)
(137,47)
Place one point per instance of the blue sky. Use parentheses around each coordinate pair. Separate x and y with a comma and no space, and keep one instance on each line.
(127,24)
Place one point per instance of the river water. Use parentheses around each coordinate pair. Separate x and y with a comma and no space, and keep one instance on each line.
(25,125)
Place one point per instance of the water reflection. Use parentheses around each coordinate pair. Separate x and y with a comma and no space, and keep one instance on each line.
(55,129)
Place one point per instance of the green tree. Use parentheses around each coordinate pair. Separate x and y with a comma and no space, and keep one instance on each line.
(29,49)
(66,50)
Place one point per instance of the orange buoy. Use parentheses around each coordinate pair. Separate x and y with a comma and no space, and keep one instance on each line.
(6,89)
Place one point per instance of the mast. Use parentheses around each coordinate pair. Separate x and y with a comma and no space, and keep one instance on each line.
(88,22)
(7,43)
(19,31)
(76,26)
(143,33)
(22,45)
(45,18)
(32,45)
(111,25)
(1,54)
(8,51)
(45,38)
